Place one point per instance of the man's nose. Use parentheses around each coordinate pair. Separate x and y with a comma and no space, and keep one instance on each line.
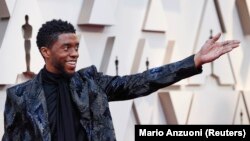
(74,52)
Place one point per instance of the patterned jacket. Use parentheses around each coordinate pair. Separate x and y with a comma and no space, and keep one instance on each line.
(26,116)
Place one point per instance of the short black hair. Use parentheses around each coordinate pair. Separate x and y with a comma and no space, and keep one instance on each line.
(50,31)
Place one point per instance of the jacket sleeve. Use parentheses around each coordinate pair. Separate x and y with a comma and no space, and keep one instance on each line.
(142,84)
(12,117)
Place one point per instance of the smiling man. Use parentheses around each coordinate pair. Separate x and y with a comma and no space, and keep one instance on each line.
(62,104)
(61,57)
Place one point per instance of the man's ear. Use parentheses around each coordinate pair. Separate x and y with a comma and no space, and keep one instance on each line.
(45,52)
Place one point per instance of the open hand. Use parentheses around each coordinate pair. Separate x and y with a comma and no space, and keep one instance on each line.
(212,50)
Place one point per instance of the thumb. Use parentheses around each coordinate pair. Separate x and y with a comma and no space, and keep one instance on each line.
(216,37)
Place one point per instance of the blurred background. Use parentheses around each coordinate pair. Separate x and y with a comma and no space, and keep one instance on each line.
(122,37)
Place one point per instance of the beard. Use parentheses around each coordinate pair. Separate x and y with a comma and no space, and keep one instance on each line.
(59,66)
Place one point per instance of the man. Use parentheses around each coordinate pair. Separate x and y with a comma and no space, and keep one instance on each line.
(60,104)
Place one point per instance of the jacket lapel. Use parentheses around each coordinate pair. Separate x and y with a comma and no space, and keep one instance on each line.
(37,108)
(80,96)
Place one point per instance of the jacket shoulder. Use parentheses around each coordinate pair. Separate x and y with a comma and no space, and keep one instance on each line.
(88,71)
(19,87)
(16,92)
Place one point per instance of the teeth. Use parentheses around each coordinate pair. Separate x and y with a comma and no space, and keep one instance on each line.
(71,62)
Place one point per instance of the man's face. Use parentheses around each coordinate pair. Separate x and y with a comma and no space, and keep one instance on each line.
(63,54)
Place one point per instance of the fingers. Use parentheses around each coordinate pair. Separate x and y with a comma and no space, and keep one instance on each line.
(233,45)
(227,46)
(229,42)
(216,37)
(226,50)
(235,41)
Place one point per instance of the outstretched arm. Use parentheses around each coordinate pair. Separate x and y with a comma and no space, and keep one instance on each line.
(142,84)
(212,49)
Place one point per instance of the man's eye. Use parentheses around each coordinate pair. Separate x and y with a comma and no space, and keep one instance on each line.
(66,47)
(77,48)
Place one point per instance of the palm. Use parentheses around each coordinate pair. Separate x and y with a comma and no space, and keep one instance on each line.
(211,52)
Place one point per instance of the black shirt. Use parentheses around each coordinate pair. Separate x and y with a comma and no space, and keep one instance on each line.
(64,118)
